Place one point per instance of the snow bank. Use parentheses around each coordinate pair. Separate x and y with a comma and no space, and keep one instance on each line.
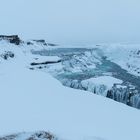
(100,85)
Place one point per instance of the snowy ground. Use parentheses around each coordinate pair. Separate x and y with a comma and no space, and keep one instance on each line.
(125,55)
(34,100)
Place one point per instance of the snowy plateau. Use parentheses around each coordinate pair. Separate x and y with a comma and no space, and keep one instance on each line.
(52,92)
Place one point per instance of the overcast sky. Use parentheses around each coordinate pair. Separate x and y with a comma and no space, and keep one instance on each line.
(72,21)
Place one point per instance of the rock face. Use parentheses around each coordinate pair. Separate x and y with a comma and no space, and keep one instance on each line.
(6,55)
(30,136)
(45,62)
(12,39)
(125,94)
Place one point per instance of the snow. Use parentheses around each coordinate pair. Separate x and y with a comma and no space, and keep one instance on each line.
(101,84)
(125,55)
(39,135)
(34,100)
(121,86)
(41,59)
(24,136)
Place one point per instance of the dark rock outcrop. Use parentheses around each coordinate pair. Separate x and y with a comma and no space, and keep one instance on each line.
(33,136)
(12,39)
(46,62)
(7,54)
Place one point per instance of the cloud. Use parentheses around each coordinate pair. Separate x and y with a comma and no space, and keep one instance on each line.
(69,21)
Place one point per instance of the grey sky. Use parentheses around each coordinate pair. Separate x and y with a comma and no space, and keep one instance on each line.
(72,21)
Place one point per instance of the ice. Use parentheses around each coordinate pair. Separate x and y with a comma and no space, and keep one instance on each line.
(100,85)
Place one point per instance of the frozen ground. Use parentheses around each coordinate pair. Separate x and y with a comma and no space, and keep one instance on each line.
(33,100)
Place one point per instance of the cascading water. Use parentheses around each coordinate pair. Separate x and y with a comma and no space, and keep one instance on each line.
(79,64)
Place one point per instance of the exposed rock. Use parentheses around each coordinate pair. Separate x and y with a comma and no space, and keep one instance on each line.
(29,43)
(9,137)
(46,62)
(30,136)
(12,39)
(40,41)
(41,135)
(50,44)
(7,54)
(125,94)
(31,68)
